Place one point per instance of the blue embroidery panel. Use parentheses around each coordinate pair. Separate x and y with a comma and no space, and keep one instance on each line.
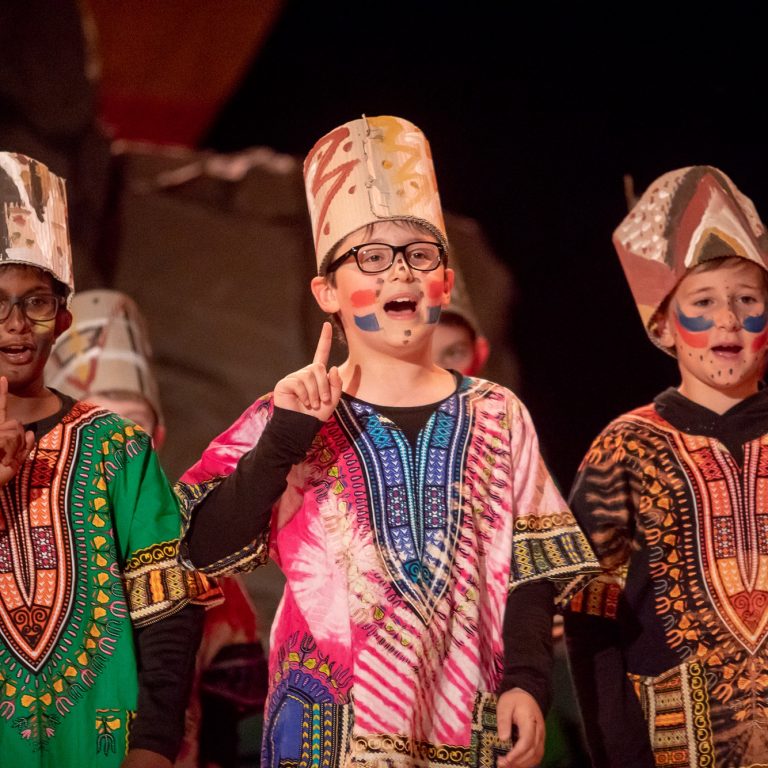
(414,516)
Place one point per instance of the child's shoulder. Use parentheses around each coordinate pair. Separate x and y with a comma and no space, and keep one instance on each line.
(103,424)
(631,427)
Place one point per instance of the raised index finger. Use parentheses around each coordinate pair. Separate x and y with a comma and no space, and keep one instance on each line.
(323,350)
(3,399)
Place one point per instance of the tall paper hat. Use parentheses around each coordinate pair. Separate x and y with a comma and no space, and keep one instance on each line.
(105,350)
(686,217)
(368,170)
(33,222)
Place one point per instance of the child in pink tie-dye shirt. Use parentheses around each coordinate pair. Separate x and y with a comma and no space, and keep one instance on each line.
(421,536)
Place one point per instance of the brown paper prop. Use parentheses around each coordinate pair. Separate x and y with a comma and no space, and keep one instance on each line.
(106,350)
(368,170)
(685,217)
(33,222)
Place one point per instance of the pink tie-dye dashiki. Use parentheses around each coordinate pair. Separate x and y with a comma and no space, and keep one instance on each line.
(387,647)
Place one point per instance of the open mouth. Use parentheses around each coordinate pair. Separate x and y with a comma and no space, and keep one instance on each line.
(730,350)
(401,307)
(17,353)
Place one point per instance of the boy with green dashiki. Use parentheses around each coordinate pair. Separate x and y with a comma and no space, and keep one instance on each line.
(105,357)
(668,647)
(422,538)
(97,630)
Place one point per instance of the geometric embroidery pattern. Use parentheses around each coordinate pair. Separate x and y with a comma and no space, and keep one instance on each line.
(414,515)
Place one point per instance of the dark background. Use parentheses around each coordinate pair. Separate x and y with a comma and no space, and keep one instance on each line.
(534,114)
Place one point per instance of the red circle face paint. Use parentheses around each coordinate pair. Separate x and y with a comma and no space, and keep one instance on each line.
(363,298)
(435,289)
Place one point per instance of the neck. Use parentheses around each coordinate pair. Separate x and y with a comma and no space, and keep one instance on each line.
(32,406)
(385,380)
(717,400)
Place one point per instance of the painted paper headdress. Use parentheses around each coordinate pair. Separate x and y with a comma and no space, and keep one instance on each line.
(33,221)
(686,217)
(105,350)
(368,170)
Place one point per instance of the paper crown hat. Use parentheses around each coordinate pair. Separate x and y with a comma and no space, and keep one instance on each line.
(105,350)
(33,223)
(368,170)
(686,217)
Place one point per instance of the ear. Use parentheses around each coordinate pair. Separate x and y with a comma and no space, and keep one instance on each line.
(325,295)
(482,350)
(158,436)
(448,280)
(63,322)
(663,331)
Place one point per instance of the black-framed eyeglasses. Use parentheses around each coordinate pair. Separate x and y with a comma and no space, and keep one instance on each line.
(379,257)
(37,307)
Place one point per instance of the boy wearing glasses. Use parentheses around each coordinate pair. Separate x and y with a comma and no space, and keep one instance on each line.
(422,539)
(88,533)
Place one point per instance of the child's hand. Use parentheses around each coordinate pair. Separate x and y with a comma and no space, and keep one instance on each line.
(15,445)
(313,389)
(519,708)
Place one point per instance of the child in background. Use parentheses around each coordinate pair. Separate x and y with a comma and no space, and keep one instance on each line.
(105,358)
(668,647)
(422,539)
(97,627)
(458,344)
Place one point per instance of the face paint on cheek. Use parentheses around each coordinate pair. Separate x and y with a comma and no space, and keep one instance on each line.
(435,289)
(367,322)
(755,323)
(692,330)
(363,298)
(760,342)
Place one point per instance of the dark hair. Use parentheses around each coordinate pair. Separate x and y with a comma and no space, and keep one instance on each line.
(58,288)
(455,320)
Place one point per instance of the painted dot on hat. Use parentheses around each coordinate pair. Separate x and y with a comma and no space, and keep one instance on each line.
(347,146)
(386,163)
(327,228)
(352,189)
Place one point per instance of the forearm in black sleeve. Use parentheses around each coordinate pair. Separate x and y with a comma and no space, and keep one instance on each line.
(166,661)
(528,641)
(616,731)
(237,511)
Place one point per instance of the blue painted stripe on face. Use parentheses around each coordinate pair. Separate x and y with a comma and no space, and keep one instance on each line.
(755,323)
(367,322)
(695,324)
(433,314)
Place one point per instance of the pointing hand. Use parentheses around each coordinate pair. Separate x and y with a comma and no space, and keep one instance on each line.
(313,390)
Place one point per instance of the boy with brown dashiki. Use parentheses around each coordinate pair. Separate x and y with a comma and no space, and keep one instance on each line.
(668,647)
(97,631)
(422,539)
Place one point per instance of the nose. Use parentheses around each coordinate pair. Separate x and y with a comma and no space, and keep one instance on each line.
(401,269)
(727,319)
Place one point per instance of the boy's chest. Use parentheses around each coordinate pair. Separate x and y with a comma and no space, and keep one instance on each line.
(705,521)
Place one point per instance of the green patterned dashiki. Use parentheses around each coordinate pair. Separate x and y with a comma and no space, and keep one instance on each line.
(88,542)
